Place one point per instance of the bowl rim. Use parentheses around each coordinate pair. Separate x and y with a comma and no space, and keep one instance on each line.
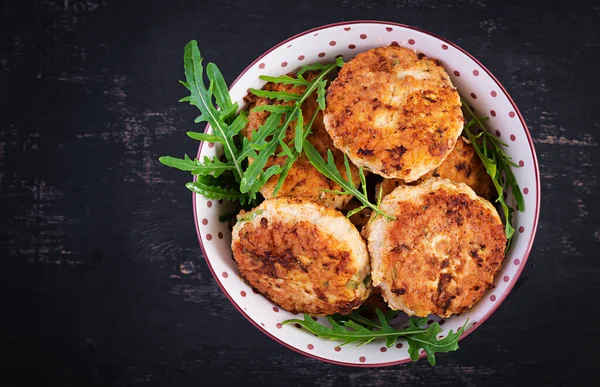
(537,198)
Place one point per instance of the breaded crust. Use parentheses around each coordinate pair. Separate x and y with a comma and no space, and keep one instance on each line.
(303,256)
(303,180)
(441,253)
(462,165)
(394,111)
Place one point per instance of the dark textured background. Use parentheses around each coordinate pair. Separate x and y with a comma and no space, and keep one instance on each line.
(94,230)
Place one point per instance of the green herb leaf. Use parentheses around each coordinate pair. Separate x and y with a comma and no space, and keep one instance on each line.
(212,188)
(204,137)
(201,97)
(250,182)
(429,341)
(281,95)
(497,164)
(329,169)
(355,328)
(321,94)
(220,91)
(286,80)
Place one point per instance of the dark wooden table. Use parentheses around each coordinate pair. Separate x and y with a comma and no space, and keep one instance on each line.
(94,230)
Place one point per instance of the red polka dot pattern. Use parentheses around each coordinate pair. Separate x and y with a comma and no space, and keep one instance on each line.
(481,98)
(314,318)
(394,43)
(298,326)
(211,144)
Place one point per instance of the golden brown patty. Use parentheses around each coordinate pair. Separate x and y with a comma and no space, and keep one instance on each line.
(441,253)
(303,256)
(394,111)
(303,180)
(462,165)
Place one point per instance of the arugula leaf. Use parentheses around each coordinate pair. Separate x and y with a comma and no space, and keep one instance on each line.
(204,137)
(429,342)
(355,328)
(213,188)
(321,94)
(220,91)
(251,179)
(287,80)
(218,110)
(281,95)
(201,97)
(209,166)
(498,165)
(329,169)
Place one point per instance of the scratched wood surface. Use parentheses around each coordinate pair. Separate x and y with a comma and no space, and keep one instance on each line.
(94,232)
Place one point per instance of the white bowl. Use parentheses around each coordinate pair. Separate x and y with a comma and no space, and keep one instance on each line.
(474,82)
